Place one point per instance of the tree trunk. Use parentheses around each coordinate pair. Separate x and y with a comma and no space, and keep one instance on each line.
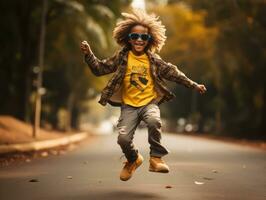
(70,105)
(27,51)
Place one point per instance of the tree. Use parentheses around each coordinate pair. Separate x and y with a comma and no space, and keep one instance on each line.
(68,22)
(231,58)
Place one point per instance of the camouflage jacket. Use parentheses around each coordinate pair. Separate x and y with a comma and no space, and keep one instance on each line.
(160,71)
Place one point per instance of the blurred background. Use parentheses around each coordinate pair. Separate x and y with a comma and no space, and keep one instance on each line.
(221,44)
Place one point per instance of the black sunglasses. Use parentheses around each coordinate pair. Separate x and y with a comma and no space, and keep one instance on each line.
(135,36)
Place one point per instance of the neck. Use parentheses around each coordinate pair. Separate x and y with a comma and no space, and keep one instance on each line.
(137,53)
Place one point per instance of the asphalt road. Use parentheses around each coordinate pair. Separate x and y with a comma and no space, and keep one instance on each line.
(201,169)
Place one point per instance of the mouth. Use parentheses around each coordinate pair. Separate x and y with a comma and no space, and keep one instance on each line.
(139,44)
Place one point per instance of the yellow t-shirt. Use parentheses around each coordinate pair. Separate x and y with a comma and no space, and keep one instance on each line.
(138,86)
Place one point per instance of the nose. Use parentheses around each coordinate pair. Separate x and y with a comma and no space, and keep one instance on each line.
(139,39)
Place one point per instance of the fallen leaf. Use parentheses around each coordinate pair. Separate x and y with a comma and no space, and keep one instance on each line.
(168,186)
(34,180)
(207,178)
(198,183)
(69,177)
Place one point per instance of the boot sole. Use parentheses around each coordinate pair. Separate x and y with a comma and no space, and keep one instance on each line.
(159,170)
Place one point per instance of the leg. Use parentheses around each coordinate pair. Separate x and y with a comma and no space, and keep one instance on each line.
(151,116)
(127,125)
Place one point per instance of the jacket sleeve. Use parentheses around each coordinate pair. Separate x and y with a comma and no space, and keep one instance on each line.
(171,72)
(101,67)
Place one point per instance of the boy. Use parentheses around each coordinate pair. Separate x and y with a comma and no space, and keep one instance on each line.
(138,85)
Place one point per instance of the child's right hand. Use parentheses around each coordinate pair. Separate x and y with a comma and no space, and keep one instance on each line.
(85,47)
(201,88)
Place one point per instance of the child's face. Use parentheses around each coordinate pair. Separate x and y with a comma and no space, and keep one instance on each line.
(139,39)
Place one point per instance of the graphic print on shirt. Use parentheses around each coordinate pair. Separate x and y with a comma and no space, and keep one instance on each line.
(138,77)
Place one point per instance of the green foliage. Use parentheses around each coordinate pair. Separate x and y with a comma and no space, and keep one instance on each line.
(66,77)
(240,52)
(221,44)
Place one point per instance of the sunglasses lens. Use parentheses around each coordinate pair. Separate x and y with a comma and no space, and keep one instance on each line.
(145,37)
(134,36)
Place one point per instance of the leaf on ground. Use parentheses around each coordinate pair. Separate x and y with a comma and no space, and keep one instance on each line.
(69,177)
(208,178)
(168,186)
(34,180)
(198,182)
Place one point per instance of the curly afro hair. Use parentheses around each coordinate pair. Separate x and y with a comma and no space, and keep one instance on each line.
(140,17)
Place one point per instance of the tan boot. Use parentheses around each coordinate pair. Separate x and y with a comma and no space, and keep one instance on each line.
(158,165)
(130,167)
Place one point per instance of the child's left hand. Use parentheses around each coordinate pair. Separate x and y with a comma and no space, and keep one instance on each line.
(201,88)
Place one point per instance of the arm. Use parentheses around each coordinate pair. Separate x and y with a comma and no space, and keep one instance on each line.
(98,67)
(170,72)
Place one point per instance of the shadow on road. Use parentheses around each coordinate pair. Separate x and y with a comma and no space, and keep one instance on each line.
(129,195)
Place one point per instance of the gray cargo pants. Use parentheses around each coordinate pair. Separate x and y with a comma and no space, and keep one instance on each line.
(129,120)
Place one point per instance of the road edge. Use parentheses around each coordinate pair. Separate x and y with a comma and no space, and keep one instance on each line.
(45,144)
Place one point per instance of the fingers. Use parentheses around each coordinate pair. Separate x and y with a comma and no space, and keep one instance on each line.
(84,44)
(85,47)
(202,89)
